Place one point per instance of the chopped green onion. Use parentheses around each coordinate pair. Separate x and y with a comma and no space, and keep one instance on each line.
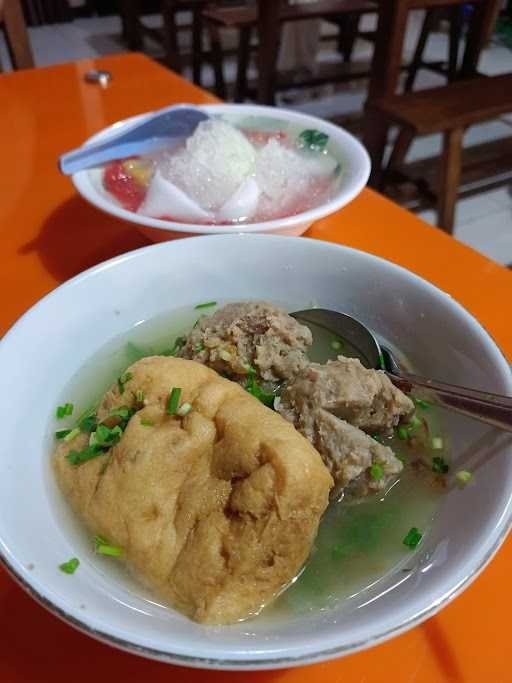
(61,433)
(381,362)
(122,381)
(463,477)
(179,342)
(199,347)
(421,403)
(225,355)
(403,433)
(208,304)
(251,386)
(139,396)
(62,411)
(173,401)
(103,547)
(124,412)
(79,457)
(147,423)
(336,344)
(437,443)
(88,421)
(104,436)
(377,437)
(72,434)
(412,538)
(313,140)
(70,566)
(184,409)
(439,466)
(401,457)
(376,472)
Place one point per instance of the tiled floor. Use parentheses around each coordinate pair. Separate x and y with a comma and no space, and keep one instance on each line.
(483,221)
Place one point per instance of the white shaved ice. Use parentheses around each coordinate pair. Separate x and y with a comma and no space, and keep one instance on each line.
(215,162)
(281,173)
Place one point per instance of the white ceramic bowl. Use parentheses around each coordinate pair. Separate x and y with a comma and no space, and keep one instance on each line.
(58,335)
(352,156)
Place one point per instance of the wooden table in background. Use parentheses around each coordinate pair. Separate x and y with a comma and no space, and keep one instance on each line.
(49,234)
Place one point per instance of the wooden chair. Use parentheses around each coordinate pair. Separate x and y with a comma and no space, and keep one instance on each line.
(247,19)
(448,110)
(13,24)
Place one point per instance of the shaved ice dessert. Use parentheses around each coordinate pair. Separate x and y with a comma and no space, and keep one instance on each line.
(227,174)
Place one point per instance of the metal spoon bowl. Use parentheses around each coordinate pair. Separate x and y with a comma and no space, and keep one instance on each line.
(490,408)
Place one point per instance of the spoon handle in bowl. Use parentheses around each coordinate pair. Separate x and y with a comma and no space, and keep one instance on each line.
(493,409)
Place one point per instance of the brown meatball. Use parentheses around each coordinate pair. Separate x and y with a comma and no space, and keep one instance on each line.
(252,334)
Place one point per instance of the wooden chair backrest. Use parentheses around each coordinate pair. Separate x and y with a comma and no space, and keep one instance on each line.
(13,24)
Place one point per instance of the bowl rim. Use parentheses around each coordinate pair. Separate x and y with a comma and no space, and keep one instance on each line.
(82,182)
(279,661)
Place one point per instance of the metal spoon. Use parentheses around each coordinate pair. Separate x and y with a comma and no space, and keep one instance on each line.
(490,408)
(163,128)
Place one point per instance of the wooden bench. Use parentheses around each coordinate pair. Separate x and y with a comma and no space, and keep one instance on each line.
(13,24)
(245,19)
(449,110)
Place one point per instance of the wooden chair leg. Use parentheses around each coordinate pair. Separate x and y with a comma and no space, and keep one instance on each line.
(172,50)
(18,43)
(456,23)
(197,43)
(217,60)
(375,134)
(130,10)
(398,154)
(244,51)
(417,60)
(450,178)
(348,29)
(268,50)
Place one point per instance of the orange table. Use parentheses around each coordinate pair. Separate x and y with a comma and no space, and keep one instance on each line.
(49,234)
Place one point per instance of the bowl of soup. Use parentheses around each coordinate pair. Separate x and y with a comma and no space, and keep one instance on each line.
(247,168)
(213,484)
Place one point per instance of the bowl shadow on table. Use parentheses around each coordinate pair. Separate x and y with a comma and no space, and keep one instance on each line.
(76,236)
(37,646)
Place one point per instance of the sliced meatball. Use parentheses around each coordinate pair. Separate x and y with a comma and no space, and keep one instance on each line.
(365,398)
(257,335)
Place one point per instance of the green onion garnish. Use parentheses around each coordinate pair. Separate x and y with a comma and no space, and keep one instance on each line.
(377,437)
(184,409)
(376,472)
(122,381)
(463,477)
(381,362)
(313,140)
(124,412)
(208,304)
(225,355)
(403,433)
(412,538)
(62,411)
(103,547)
(79,457)
(439,466)
(336,344)
(147,423)
(139,396)
(70,566)
(87,421)
(61,433)
(421,403)
(413,424)
(199,347)
(72,434)
(173,401)
(251,386)
(178,343)
(437,443)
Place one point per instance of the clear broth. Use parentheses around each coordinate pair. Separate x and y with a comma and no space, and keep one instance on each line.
(359,543)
